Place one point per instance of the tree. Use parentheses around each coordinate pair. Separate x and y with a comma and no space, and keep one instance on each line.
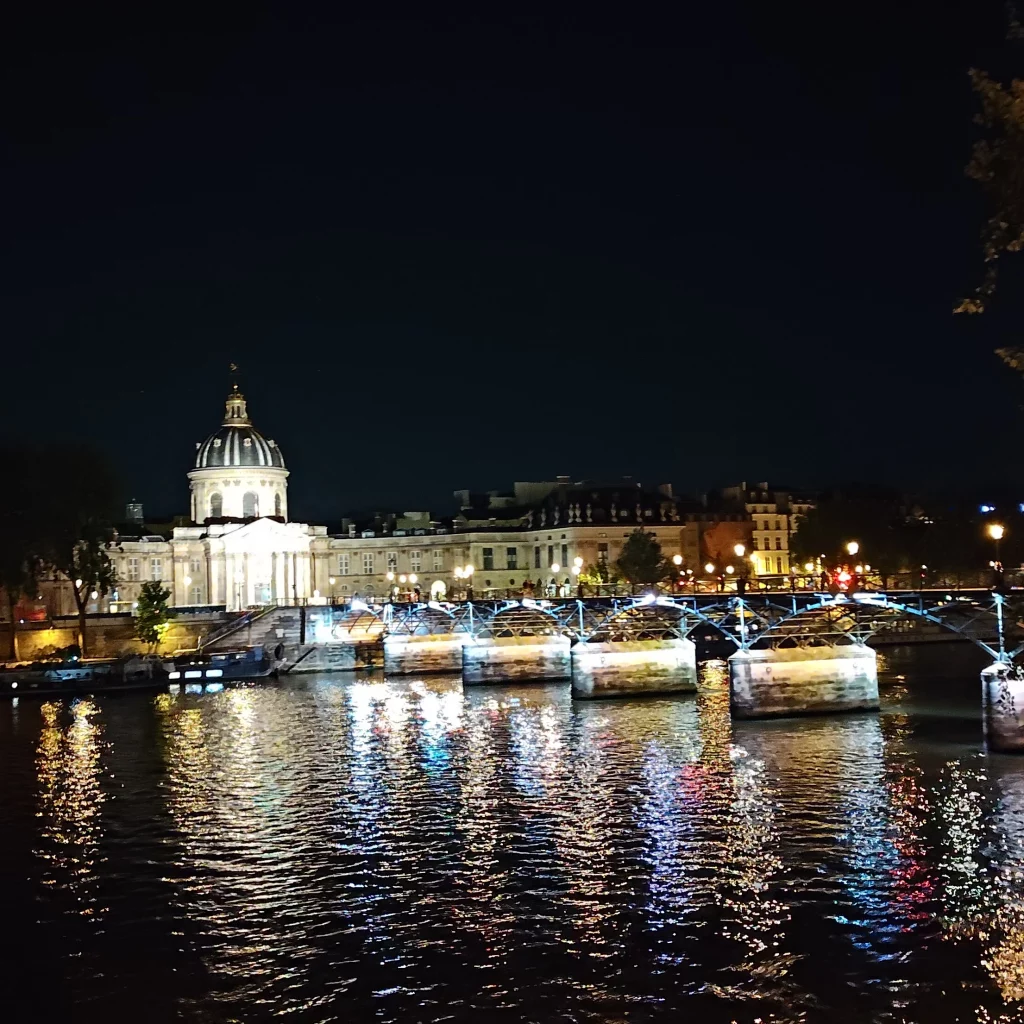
(18,562)
(152,616)
(997,160)
(73,501)
(874,518)
(721,538)
(597,575)
(641,562)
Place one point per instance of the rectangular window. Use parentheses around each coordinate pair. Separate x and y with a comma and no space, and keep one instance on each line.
(343,565)
(602,553)
(156,568)
(197,595)
(416,561)
(778,543)
(367,563)
(511,559)
(565,555)
(488,558)
(778,566)
(438,560)
(392,561)
(193,566)
(551,556)
(536,557)
(133,568)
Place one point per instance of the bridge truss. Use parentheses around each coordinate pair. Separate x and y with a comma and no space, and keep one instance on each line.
(992,620)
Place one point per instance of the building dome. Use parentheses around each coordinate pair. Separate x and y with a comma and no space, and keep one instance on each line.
(238,473)
(237,443)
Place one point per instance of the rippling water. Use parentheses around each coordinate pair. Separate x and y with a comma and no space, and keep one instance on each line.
(334,849)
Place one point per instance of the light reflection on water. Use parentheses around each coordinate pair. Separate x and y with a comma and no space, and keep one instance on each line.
(402,850)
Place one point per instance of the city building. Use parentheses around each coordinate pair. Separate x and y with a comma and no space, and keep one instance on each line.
(775,514)
(240,549)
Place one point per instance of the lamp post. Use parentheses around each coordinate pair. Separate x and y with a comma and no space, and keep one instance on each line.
(996,532)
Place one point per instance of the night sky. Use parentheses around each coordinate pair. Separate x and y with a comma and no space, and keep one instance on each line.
(457,250)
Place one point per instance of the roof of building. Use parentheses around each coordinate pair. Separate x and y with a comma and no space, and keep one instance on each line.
(237,443)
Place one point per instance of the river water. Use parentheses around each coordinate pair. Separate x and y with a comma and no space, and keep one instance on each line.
(370,850)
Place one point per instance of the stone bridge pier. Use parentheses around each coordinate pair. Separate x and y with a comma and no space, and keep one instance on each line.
(642,650)
(516,645)
(633,668)
(803,680)
(1002,699)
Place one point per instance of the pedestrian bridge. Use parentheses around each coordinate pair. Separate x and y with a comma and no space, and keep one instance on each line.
(781,619)
(793,652)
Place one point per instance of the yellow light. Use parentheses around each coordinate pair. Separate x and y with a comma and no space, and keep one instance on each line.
(469,570)
(390,577)
(996,531)
(852,547)
(331,580)
(413,578)
(401,579)
(728,568)
(578,561)
(808,567)
(858,568)
(188,581)
(739,550)
(577,569)
(677,559)
(555,567)
(710,567)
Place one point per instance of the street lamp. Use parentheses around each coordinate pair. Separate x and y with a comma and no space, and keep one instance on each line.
(996,531)
(677,559)
(739,550)
(710,568)
(852,548)
(555,567)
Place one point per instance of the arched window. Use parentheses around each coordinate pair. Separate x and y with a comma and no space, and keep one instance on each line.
(216,506)
(277,504)
(250,505)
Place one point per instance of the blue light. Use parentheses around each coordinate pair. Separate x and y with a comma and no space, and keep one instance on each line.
(992,508)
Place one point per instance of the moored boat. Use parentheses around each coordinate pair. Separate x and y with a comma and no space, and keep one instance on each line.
(79,678)
(222,666)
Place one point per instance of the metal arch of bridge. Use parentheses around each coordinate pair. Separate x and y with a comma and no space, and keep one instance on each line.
(800,619)
(780,618)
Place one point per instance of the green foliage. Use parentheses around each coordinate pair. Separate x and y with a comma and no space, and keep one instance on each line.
(60,501)
(641,562)
(598,575)
(996,163)
(152,616)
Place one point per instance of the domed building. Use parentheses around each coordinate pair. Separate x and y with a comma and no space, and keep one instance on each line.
(238,473)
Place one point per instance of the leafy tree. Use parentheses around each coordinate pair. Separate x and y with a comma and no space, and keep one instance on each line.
(599,574)
(720,541)
(996,164)
(73,501)
(874,518)
(18,561)
(641,562)
(153,614)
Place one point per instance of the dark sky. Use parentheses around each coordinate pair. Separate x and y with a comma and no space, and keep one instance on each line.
(457,250)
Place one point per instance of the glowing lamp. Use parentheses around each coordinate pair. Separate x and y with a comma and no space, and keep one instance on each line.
(677,559)
(710,567)
(996,531)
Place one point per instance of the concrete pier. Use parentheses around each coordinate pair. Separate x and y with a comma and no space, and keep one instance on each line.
(515,659)
(803,681)
(420,655)
(1002,693)
(633,668)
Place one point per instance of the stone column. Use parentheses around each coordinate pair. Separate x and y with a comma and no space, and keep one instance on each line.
(230,586)
(286,562)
